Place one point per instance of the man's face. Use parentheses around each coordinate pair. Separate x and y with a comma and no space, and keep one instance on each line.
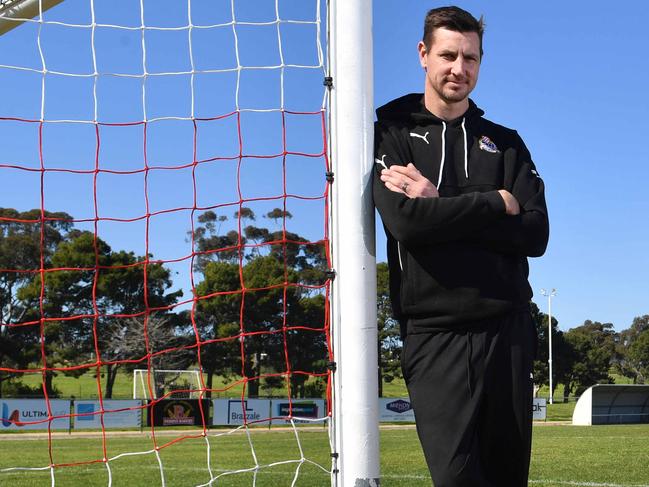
(452,64)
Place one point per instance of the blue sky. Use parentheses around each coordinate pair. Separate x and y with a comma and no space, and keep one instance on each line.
(569,78)
(168,98)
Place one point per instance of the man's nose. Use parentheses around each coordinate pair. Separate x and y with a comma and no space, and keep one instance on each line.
(458,66)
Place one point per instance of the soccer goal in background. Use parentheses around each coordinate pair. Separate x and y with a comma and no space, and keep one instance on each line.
(192,178)
(166,383)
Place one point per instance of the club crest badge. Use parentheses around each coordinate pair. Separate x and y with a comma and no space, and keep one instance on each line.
(486,144)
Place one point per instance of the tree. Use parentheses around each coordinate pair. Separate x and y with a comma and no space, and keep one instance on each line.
(246,314)
(26,240)
(210,244)
(592,347)
(129,344)
(389,338)
(86,291)
(632,351)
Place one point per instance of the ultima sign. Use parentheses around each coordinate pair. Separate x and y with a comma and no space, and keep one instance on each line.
(9,419)
(33,414)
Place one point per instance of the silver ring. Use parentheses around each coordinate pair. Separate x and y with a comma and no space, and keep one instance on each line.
(404,187)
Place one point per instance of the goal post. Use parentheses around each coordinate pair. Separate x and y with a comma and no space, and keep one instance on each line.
(209,111)
(356,433)
(15,12)
(166,383)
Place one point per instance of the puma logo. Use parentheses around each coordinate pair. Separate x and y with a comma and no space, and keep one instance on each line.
(413,134)
(381,161)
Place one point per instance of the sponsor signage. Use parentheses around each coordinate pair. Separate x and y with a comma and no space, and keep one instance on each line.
(31,414)
(395,409)
(117,414)
(236,411)
(301,410)
(539,409)
(176,412)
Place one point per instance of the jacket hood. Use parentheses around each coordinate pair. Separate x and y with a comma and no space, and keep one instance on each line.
(411,107)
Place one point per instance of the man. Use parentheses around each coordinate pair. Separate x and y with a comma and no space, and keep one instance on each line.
(463,207)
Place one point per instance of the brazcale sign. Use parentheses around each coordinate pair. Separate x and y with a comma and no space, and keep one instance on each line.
(236,411)
(177,412)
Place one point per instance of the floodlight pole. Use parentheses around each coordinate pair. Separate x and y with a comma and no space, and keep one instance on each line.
(550,295)
(355,388)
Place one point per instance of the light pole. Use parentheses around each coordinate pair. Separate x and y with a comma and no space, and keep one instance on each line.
(550,294)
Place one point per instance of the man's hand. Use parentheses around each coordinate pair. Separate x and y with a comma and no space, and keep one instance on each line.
(511,203)
(409,181)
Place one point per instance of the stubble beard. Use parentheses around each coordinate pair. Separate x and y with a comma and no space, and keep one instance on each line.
(450,95)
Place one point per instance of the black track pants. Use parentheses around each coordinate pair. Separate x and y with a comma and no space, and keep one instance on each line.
(471,391)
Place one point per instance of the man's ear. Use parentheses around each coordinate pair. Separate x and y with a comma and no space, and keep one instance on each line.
(421,48)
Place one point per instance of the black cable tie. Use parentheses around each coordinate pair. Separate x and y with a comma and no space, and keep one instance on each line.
(329,176)
(328,82)
(331,366)
(331,274)
(334,454)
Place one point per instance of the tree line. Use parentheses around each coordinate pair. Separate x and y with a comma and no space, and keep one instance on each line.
(582,356)
(67,299)
(69,303)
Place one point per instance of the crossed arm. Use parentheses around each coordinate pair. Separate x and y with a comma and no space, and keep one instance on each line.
(409,181)
(512,220)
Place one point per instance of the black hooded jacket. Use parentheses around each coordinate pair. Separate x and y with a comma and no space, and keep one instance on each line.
(459,258)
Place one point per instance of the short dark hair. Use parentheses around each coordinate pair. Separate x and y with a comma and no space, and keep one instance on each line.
(452,18)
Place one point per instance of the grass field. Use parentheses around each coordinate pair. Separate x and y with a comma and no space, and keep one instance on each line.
(604,456)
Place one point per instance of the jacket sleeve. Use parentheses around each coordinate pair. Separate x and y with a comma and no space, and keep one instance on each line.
(527,233)
(421,221)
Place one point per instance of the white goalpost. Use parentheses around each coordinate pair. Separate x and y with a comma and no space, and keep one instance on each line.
(166,383)
(356,432)
(141,144)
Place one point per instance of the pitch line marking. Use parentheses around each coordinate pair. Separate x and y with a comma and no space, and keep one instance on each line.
(396,477)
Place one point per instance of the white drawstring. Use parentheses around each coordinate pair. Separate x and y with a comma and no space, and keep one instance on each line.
(466,151)
(441,164)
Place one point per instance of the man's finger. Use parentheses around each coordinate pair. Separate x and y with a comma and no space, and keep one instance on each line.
(396,179)
(393,187)
(410,170)
(401,174)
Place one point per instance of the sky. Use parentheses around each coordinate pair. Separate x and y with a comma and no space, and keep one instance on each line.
(569,76)
(205,72)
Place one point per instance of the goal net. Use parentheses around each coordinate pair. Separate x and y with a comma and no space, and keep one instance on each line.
(166,383)
(166,178)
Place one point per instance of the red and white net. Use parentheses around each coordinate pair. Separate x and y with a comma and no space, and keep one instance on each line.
(164,206)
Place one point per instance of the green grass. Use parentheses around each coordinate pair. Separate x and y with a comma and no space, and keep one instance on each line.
(85,386)
(562,455)
(560,411)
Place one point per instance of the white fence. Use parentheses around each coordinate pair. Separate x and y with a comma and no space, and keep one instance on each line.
(32,414)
